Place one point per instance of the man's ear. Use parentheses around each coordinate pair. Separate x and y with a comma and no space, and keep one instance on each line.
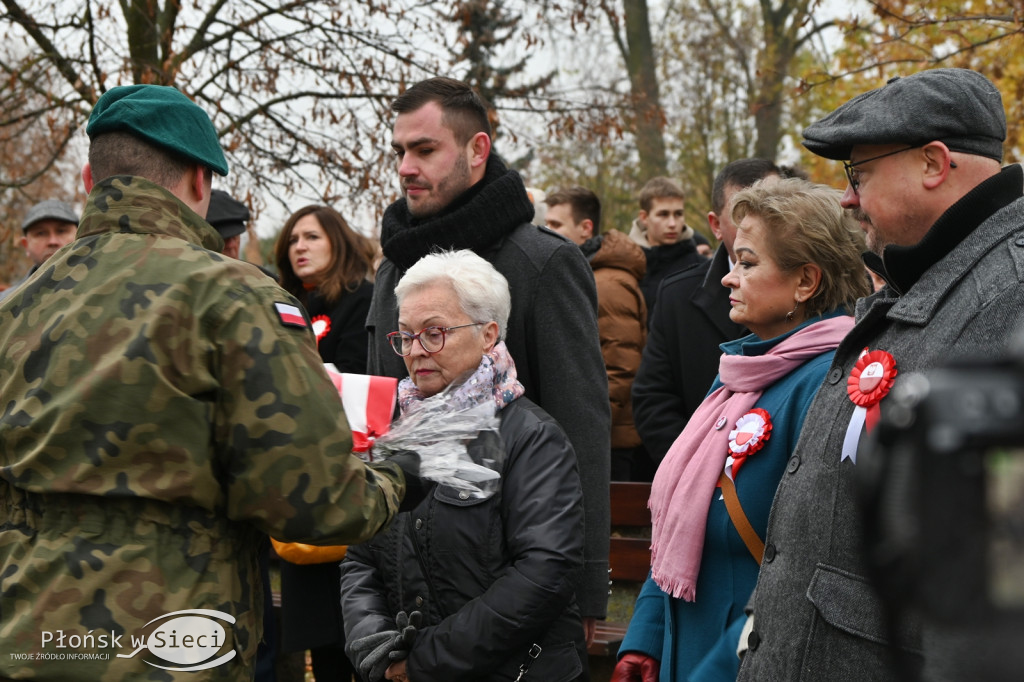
(642,217)
(588,227)
(87,177)
(937,163)
(715,224)
(199,182)
(480,147)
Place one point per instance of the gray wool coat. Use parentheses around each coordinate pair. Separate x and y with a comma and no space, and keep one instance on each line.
(816,617)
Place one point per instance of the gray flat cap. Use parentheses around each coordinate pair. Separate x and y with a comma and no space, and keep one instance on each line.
(226,214)
(51,209)
(958,107)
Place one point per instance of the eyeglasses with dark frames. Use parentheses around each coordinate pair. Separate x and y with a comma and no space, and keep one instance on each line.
(431,338)
(853,175)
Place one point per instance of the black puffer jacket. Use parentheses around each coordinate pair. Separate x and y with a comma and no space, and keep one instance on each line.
(500,573)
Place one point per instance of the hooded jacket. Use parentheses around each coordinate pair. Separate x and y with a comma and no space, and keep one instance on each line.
(619,265)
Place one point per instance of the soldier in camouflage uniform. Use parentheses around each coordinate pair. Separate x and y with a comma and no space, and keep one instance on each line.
(162,408)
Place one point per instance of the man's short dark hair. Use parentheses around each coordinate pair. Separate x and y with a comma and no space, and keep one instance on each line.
(742,173)
(121,153)
(463,110)
(584,205)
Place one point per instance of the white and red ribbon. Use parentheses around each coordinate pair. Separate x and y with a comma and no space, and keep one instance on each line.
(369,402)
(751,433)
(870,380)
(321,325)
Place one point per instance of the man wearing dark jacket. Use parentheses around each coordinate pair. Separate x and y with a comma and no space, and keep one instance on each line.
(660,229)
(458,195)
(618,264)
(944,226)
(688,323)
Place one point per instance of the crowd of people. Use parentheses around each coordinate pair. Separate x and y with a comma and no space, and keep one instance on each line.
(166,412)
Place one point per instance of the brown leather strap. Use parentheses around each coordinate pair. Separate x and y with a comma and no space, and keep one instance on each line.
(732,503)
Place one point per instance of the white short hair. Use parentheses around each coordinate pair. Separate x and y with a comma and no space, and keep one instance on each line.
(482,291)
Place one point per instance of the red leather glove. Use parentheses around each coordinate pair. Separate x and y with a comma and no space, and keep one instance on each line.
(635,667)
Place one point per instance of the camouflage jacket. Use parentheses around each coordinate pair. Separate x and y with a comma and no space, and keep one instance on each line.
(161,410)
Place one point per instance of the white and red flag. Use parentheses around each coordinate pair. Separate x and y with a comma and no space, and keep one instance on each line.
(369,403)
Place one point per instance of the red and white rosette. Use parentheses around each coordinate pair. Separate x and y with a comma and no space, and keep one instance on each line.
(870,380)
(751,433)
(321,325)
(369,402)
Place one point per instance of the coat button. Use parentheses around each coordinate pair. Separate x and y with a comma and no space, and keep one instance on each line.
(794,464)
(835,375)
(753,640)
(1019,241)
(419,523)
(419,601)
(769,553)
(463,495)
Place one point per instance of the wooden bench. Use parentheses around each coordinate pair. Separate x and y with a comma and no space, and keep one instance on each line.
(629,556)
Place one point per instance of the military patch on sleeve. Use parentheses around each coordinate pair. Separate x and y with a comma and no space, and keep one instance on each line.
(290,316)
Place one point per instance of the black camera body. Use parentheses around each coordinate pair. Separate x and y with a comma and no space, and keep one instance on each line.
(941,485)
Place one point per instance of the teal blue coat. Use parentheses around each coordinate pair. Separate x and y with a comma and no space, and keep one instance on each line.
(688,637)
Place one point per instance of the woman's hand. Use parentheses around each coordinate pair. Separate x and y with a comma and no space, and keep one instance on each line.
(396,672)
(634,667)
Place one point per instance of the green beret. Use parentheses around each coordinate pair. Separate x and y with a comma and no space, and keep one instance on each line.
(163,116)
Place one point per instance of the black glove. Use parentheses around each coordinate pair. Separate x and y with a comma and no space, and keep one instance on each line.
(371,653)
(415,487)
(407,624)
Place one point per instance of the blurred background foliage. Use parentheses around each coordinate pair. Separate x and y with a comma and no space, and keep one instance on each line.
(601,93)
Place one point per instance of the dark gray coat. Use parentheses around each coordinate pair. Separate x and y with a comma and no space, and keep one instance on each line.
(552,330)
(815,615)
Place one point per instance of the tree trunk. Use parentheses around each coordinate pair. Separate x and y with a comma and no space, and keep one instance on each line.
(649,118)
(143,41)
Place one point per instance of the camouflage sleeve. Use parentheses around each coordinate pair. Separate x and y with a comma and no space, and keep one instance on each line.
(281,433)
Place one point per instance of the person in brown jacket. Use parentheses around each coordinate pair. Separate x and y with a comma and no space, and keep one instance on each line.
(619,265)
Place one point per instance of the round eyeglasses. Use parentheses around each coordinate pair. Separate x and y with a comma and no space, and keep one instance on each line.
(430,338)
(853,175)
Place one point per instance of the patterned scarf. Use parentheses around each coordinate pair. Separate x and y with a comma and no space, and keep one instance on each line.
(493,379)
(686,479)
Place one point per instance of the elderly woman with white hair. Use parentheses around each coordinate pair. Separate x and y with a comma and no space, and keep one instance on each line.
(493,576)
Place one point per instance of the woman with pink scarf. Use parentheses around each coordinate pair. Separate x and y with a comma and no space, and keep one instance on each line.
(797,276)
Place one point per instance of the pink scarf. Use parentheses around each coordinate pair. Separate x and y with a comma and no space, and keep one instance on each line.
(686,479)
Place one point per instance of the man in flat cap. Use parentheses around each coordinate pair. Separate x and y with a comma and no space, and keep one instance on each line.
(164,409)
(943,224)
(46,227)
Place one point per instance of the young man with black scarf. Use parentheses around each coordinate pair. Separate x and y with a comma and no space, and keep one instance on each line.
(457,194)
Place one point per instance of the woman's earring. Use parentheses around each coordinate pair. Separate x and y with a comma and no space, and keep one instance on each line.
(792,313)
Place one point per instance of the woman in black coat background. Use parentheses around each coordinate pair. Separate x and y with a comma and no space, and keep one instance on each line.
(326,265)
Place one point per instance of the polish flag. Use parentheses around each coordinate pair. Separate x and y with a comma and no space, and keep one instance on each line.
(290,315)
(369,402)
